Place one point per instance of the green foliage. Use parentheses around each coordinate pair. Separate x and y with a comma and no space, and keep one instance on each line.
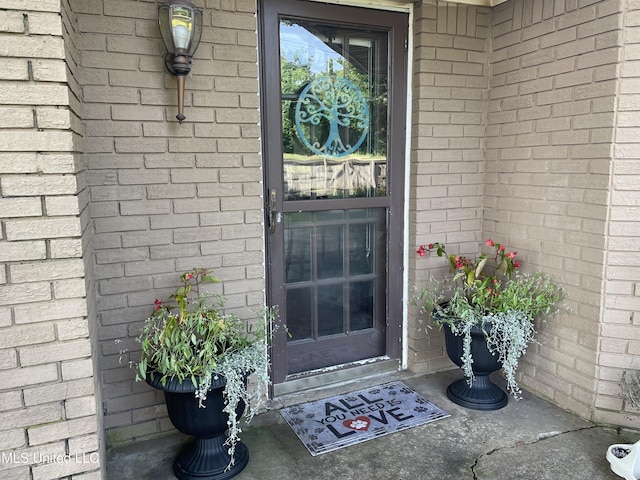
(191,337)
(503,303)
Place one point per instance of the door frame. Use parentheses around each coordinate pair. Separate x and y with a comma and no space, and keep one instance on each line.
(397,313)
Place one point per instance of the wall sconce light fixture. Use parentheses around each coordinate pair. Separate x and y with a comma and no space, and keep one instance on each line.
(181,27)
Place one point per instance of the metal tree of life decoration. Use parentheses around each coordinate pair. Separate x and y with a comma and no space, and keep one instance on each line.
(338,102)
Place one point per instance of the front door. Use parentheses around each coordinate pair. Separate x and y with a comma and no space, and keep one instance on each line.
(333,99)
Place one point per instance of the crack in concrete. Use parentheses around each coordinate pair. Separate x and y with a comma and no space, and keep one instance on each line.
(541,437)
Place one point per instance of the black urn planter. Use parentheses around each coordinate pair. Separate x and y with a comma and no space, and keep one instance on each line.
(207,458)
(482,394)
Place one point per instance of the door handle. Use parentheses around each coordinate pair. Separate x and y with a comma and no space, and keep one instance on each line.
(275,216)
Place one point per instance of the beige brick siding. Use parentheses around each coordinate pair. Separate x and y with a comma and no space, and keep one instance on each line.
(550,127)
(557,185)
(166,197)
(450,85)
(620,333)
(47,393)
(523,129)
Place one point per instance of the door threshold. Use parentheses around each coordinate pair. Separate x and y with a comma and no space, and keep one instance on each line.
(338,375)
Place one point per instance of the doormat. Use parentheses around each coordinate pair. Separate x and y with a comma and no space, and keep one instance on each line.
(337,422)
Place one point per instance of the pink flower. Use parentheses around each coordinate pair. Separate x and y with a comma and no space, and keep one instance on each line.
(430,246)
(516,264)
(489,243)
(511,255)
(190,275)
(501,248)
(421,251)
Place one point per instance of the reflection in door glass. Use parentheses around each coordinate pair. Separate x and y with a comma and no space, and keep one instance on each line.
(361,305)
(361,248)
(329,250)
(298,245)
(334,111)
(299,301)
(331,315)
(328,292)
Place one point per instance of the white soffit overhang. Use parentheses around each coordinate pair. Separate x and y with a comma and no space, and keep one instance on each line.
(404,5)
(479,3)
(399,5)
(389,3)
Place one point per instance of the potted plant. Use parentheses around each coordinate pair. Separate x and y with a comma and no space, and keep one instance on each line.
(201,357)
(489,308)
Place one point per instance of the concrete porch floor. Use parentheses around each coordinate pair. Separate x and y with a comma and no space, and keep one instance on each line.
(528,439)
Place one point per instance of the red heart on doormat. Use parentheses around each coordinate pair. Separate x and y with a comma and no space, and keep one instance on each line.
(358,423)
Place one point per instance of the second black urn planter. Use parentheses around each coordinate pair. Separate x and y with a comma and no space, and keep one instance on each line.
(482,394)
(207,458)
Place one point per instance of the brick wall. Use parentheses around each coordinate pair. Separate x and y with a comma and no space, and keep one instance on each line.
(557,185)
(47,388)
(166,197)
(450,85)
(550,128)
(620,333)
(512,137)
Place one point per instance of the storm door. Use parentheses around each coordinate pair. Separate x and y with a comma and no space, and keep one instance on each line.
(333,100)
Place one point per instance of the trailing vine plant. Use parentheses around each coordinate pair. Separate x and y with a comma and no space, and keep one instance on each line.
(190,337)
(489,294)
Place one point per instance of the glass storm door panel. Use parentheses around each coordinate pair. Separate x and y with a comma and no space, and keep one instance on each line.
(335,287)
(334,110)
(333,131)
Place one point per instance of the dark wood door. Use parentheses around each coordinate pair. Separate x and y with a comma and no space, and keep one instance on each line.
(333,112)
